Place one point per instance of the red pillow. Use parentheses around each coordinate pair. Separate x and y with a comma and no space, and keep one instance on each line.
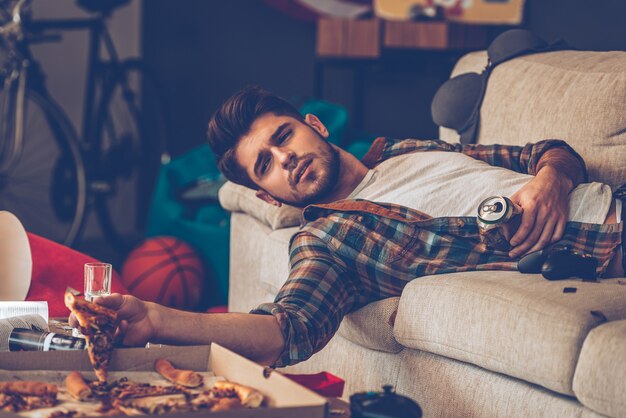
(55,267)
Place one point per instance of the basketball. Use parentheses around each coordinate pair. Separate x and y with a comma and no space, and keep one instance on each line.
(165,270)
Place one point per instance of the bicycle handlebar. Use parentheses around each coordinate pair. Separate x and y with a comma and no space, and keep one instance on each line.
(14,26)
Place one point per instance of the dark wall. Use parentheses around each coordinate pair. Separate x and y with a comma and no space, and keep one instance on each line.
(204,51)
(584,24)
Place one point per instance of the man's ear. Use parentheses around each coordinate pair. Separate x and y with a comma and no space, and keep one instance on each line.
(314,122)
(267,198)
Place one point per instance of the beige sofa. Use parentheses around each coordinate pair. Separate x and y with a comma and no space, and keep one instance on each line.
(481,343)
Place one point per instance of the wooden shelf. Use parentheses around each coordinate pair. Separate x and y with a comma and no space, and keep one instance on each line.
(348,38)
(340,38)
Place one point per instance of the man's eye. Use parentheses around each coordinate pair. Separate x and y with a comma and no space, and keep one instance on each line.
(284,137)
(265,165)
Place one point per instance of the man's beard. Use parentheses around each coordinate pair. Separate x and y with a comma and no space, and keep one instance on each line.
(329,164)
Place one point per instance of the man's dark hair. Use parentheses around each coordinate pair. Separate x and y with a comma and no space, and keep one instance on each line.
(233,120)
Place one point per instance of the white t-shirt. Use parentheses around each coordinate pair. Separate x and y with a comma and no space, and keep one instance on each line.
(442,183)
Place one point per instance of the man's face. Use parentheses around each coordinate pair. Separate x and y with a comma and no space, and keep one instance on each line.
(288,159)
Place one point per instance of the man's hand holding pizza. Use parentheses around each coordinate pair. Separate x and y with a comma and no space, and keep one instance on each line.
(138,319)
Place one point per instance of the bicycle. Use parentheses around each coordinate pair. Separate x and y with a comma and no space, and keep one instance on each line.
(49,176)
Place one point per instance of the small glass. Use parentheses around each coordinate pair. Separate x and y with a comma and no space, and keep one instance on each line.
(97,280)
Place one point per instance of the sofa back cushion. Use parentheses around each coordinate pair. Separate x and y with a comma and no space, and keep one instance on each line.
(577,96)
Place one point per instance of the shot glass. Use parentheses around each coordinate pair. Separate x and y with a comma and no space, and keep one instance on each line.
(97,280)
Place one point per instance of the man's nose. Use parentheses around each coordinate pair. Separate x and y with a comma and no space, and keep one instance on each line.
(286,157)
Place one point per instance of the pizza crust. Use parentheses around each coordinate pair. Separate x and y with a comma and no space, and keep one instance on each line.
(250,398)
(26,395)
(226,404)
(29,388)
(185,378)
(77,387)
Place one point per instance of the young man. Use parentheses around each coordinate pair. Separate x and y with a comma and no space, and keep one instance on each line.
(406,210)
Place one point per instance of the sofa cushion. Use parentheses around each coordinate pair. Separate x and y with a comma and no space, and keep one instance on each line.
(372,326)
(577,96)
(236,198)
(520,325)
(247,245)
(275,267)
(600,379)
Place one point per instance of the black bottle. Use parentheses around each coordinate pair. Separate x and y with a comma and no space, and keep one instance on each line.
(23,339)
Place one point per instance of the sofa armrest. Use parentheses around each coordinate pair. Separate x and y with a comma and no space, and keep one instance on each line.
(236,198)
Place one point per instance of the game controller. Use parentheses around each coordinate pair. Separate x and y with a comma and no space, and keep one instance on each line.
(385,404)
(558,263)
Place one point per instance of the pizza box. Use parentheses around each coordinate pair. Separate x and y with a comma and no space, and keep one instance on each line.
(285,398)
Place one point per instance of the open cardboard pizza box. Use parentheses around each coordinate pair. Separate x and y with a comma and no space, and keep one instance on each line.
(284,398)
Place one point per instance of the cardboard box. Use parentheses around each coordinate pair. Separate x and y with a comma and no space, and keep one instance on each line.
(285,399)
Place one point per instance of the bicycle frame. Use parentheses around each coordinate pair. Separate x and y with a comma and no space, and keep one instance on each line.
(98,35)
(109,155)
(12,106)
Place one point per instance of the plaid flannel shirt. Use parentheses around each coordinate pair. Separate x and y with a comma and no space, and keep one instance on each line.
(353,252)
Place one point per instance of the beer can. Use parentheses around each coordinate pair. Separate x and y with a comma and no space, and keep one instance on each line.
(494,211)
(24,339)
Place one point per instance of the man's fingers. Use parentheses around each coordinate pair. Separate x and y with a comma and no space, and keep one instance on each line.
(121,331)
(72,321)
(559,230)
(531,238)
(526,227)
(113,301)
(545,238)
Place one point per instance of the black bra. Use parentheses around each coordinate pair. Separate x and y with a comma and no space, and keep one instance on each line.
(457,103)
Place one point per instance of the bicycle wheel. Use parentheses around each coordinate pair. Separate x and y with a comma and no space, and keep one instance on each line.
(132,138)
(45,187)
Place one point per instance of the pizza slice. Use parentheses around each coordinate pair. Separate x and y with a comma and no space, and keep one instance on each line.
(154,405)
(185,402)
(128,390)
(97,323)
